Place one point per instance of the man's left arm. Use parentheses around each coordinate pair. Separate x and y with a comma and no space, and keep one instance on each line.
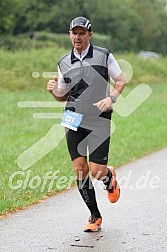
(118,86)
(105,104)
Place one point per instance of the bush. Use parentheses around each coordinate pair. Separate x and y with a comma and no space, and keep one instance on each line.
(34,40)
(102,40)
(45,39)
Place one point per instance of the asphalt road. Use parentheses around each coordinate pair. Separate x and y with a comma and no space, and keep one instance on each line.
(137,222)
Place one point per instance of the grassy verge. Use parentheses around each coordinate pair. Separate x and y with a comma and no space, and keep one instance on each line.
(16,67)
(143,132)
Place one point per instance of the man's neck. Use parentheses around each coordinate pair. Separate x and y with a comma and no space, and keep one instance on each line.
(82,54)
(82,51)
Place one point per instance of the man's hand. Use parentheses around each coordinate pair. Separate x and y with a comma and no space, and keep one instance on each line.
(104,105)
(52,84)
(59,94)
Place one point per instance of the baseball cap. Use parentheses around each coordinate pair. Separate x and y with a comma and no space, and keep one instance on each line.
(82,22)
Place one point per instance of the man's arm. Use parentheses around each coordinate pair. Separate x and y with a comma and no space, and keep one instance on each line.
(118,86)
(58,93)
(105,104)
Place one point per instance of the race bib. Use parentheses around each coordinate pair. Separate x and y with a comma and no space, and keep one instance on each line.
(71,120)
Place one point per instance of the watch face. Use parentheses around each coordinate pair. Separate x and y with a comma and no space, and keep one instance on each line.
(113,98)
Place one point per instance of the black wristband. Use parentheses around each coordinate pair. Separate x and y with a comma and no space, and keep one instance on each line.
(113,98)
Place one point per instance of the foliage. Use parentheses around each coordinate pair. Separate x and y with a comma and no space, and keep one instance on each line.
(45,39)
(19,65)
(132,25)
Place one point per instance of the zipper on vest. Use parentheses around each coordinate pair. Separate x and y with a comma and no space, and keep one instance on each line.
(81,74)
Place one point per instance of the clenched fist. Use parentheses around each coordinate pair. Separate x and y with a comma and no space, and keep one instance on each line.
(52,84)
(58,93)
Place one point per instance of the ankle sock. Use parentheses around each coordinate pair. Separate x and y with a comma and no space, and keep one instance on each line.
(87,192)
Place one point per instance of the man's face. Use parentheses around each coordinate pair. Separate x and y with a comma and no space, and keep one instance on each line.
(80,38)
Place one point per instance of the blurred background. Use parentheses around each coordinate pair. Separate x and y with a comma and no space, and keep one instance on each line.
(33,37)
(128,25)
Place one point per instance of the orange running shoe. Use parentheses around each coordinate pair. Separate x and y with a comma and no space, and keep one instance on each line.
(114,192)
(93,225)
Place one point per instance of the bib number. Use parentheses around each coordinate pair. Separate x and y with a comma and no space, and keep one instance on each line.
(71,120)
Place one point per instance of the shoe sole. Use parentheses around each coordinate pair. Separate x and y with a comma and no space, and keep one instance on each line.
(89,230)
(117,198)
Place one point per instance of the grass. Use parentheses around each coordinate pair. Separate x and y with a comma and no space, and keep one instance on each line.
(16,67)
(19,132)
(143,132)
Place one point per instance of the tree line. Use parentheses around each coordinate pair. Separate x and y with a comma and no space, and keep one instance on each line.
(130,24)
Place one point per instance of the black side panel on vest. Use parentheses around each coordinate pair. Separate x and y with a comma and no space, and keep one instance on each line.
(77,90)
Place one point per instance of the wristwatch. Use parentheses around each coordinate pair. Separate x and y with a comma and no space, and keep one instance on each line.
(113,98)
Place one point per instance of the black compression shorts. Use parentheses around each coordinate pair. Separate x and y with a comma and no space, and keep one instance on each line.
(79,141)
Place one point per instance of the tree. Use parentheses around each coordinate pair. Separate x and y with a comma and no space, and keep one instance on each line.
(129,24)
(9,13)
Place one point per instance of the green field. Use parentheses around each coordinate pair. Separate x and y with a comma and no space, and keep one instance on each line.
(142,132)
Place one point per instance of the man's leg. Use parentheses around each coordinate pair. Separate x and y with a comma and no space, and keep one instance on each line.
(101,172)
(98,166)
(85,185)
(108,176)
(99,158)
(84,182)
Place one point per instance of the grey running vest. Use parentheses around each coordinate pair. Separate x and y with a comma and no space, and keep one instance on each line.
(87,81)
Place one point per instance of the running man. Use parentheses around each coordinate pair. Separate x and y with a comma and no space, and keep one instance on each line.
(84,82)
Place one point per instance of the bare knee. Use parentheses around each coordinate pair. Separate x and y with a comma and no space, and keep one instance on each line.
(81,167)
(98,171)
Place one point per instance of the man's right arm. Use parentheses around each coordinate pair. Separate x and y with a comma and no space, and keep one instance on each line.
(58,93)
